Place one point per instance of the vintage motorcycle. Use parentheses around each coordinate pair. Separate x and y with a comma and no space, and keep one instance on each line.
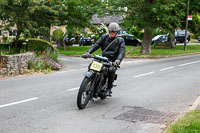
(95,82)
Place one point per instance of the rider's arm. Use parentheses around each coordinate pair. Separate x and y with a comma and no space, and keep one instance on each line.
(121,50)
(96,45)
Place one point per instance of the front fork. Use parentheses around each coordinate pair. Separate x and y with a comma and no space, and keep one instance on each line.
(95,78)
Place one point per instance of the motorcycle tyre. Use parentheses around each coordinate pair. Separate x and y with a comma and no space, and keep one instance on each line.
(82,89)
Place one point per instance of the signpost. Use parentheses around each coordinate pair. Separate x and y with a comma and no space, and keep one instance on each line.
(186,27)
(189,17)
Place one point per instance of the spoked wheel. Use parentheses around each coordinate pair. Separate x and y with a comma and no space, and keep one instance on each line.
(84,93)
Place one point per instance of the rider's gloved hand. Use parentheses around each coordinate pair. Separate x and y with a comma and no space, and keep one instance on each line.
(86,55)
(116,63)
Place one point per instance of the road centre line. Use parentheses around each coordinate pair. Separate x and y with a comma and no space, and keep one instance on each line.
(22,101)
(143,74)
(189,63)
(72,70)
(73,89)
(163,69)
(166,68)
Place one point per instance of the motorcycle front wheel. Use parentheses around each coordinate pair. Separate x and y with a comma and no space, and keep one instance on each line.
(84,94)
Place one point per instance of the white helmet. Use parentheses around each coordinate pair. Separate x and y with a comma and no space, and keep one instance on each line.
(113,27)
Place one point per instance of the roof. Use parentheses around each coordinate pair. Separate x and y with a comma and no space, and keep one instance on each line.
(106,19)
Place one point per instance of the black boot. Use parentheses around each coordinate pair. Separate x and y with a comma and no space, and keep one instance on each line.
(108,92)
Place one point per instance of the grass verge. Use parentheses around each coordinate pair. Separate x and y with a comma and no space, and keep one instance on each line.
(132,52)
(162,51)
(190,123)
(79,50)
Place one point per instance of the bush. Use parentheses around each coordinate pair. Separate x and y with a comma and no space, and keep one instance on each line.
(35,45)
(57,35)
(137,33)
(45,62)
(5,39)
(192,35)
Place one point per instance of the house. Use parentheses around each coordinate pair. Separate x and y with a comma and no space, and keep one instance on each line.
(96,20)
(4,33)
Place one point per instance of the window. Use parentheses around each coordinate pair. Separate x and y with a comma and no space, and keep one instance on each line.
(12,32)
(4,18)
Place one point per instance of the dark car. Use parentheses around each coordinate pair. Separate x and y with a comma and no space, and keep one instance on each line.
(198,38)
(180,36)
(130,40)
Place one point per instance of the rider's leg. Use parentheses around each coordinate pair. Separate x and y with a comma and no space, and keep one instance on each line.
(111,78)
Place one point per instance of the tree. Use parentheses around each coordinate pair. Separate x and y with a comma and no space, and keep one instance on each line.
(76,14)
(30,17)
(150,15)
(16,12)
(44,14)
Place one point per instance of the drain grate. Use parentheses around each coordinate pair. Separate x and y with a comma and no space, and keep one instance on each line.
(146,115)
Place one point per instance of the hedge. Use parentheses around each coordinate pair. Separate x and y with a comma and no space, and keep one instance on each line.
(36,45)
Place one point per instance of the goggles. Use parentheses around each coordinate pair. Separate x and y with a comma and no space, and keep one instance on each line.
(113,32)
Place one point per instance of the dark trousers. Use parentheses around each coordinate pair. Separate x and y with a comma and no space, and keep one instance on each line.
(111,76)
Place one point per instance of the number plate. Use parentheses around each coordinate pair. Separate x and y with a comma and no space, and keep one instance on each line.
(96,66)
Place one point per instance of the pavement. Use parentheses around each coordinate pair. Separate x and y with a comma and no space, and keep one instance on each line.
(195,105)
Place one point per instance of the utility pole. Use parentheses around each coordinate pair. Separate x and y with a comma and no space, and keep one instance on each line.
(186,27)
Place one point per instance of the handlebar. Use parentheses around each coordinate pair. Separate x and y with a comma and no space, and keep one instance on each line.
(99,57)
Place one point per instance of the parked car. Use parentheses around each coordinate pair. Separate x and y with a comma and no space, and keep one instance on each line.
(159,38)
(198,38)
(130,40)
(180,36)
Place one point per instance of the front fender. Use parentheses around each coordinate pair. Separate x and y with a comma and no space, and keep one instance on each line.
(88,74)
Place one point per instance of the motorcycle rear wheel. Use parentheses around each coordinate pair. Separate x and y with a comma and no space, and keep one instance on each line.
(84,95)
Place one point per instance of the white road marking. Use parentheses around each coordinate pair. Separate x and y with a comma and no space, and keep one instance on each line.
(166,68)
(73,89)
(72,70)
(143,74)
(14,103)
(189,63)
(163,69)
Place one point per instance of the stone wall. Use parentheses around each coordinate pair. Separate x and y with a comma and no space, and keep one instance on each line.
(14,64)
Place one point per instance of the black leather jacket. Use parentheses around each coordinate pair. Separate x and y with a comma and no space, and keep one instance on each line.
(116,51)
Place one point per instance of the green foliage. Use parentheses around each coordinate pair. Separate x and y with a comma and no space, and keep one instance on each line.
(17,13)
(76,13)
(151,15)
(57,35)
(5,39)
(77,50)
(34,17)
(194,25)
(36,45)
(159,32)
(190,123)
(44,62)
(163,51)
(137,33)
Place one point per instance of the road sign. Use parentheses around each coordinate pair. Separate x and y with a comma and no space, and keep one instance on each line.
(190,17)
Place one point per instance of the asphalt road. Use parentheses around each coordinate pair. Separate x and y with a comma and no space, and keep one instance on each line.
(47,103)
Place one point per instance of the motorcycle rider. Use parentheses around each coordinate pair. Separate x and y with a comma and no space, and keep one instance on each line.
(115,52)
